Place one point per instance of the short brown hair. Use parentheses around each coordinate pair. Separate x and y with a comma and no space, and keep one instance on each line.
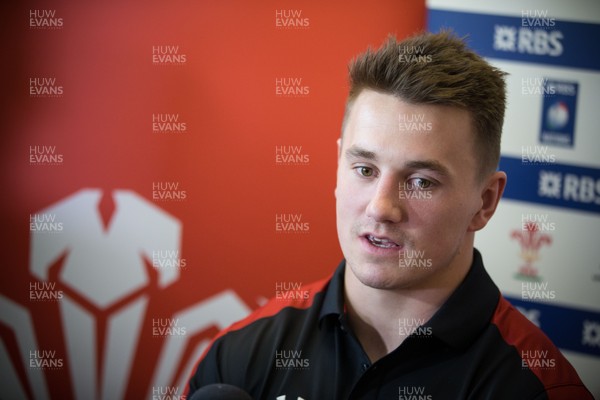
(437,69)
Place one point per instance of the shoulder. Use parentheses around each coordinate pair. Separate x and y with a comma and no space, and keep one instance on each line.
(537,353)
(298,298)
(249,344)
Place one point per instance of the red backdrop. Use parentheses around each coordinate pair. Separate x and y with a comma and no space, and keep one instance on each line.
(227,83)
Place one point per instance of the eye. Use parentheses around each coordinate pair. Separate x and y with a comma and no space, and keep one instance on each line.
(419,184)
(366,172)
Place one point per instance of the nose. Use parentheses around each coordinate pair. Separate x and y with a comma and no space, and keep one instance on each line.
(385,204)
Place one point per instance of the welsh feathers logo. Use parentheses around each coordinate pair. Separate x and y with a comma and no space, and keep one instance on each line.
(106,289)
(531,240)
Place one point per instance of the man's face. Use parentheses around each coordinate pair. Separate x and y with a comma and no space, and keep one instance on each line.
(407,191)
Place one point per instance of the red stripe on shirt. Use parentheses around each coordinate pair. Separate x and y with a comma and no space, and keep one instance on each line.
(537,352)
(272,307)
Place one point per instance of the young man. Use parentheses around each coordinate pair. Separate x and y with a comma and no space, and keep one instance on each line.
(411,312)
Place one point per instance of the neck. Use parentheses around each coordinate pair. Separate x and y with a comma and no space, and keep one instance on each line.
(376,315)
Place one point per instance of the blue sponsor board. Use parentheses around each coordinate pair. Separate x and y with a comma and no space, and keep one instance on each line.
(569,328)
(534,37)
(559,110)
(538,178)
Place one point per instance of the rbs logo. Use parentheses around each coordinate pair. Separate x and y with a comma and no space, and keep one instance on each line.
(569,187)
(529,41)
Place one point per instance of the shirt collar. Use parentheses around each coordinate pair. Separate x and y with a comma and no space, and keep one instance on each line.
(333,302)
(459,320)
(469,308)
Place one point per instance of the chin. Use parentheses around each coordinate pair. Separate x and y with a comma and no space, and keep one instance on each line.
(376,276)
(379,284)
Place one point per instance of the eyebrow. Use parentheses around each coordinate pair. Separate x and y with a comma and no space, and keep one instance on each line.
(358,152)
(431,165)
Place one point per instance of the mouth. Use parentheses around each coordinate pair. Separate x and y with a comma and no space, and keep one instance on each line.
(381,242)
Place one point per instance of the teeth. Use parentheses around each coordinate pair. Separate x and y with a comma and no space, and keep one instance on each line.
(384,243)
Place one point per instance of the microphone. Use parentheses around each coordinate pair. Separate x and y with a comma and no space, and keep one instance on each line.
(220,391)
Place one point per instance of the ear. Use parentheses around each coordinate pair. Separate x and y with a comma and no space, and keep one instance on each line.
(339,147)
(490,196)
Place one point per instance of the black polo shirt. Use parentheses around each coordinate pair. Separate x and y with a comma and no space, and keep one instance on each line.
(476,346)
